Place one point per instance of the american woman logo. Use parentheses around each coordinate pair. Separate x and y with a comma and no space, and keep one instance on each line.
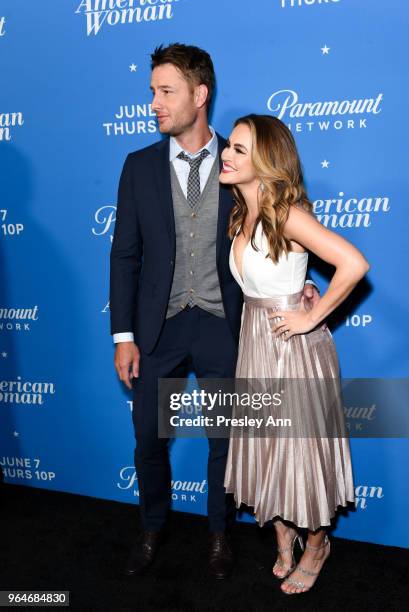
(324,115)
(24,392)
(100,13)
(364,493)
(345,212)
(8,121)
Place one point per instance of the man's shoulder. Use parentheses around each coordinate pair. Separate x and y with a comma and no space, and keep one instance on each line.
(221,142)
(149,152)
(221,139)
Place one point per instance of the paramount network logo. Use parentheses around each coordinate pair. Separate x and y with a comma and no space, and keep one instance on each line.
(7,121)
(24,392)
(349,212)
(293,3)
(286,105)
(17,318)
(104,219)
(182,490)
(358,416)
(363,493)
(115,12)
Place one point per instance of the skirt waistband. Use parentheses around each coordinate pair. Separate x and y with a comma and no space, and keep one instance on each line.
(274,301)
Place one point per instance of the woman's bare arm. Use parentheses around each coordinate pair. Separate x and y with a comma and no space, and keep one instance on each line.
(350,265)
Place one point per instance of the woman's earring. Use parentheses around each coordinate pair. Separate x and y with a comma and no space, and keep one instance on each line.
(261,186)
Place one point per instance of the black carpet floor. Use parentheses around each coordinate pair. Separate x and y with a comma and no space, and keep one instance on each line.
(52,541)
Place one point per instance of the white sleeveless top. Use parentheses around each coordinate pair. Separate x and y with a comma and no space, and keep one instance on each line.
(262,278)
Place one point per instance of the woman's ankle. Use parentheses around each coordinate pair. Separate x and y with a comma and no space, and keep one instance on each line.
(317,540)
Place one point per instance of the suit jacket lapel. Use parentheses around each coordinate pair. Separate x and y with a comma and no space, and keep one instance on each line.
(225,206)
(164,187)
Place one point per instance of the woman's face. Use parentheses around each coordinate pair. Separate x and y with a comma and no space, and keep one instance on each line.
(238,167)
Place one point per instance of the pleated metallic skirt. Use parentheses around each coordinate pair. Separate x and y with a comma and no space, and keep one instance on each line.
(299,479)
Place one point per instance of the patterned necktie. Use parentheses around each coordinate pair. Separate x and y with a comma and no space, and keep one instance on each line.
(193,181)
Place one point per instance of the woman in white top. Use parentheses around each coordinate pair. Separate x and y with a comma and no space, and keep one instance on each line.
(298,481)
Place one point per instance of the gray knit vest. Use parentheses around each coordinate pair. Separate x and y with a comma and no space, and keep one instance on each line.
(195,278)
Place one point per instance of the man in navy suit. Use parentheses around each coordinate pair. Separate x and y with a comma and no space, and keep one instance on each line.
(174,303)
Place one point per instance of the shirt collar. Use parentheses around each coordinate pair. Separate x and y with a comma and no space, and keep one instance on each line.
(211,146)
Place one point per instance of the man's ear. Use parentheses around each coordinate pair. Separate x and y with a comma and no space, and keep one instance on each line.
(201,93)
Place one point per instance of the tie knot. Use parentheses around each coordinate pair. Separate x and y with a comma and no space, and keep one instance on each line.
(194,161)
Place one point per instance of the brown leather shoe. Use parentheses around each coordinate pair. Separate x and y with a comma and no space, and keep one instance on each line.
(143,553)
(221,558)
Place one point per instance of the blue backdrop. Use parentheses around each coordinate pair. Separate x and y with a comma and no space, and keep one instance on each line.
(74,100)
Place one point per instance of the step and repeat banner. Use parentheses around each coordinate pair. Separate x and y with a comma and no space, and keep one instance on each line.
(74,101)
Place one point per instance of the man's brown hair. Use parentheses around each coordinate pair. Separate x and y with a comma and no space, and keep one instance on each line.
(194,63)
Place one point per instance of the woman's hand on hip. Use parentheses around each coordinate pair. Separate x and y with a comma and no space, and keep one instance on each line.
(291,322)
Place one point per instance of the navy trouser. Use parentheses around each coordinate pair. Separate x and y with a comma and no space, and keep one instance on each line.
(203,342)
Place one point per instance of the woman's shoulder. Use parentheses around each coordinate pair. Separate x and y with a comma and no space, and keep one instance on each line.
(303,206)
(300,215)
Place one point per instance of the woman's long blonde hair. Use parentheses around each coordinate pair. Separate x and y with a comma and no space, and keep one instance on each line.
(277,165)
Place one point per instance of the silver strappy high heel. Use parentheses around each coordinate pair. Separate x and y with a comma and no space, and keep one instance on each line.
(298,583)
(280,563)
(301,585)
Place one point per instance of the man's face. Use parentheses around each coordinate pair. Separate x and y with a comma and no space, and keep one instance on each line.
(173,100)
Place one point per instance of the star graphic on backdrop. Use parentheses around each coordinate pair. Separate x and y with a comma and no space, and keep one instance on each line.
(133,67)
(325,50)
(4,355)
(325,163)
(16,434)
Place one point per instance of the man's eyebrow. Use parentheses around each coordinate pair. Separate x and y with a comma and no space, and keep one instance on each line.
(161,87)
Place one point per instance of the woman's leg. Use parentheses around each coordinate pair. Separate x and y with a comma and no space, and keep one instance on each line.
(286,538)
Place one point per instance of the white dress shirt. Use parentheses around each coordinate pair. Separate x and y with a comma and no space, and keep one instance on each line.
(182,170)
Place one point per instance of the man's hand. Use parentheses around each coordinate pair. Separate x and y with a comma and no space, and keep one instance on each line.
(311,296)
(127,362)
(311,299)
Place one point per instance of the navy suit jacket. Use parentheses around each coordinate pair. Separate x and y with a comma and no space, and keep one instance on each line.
(143,248)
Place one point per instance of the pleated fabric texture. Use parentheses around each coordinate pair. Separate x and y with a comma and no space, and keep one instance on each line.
(299,479)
